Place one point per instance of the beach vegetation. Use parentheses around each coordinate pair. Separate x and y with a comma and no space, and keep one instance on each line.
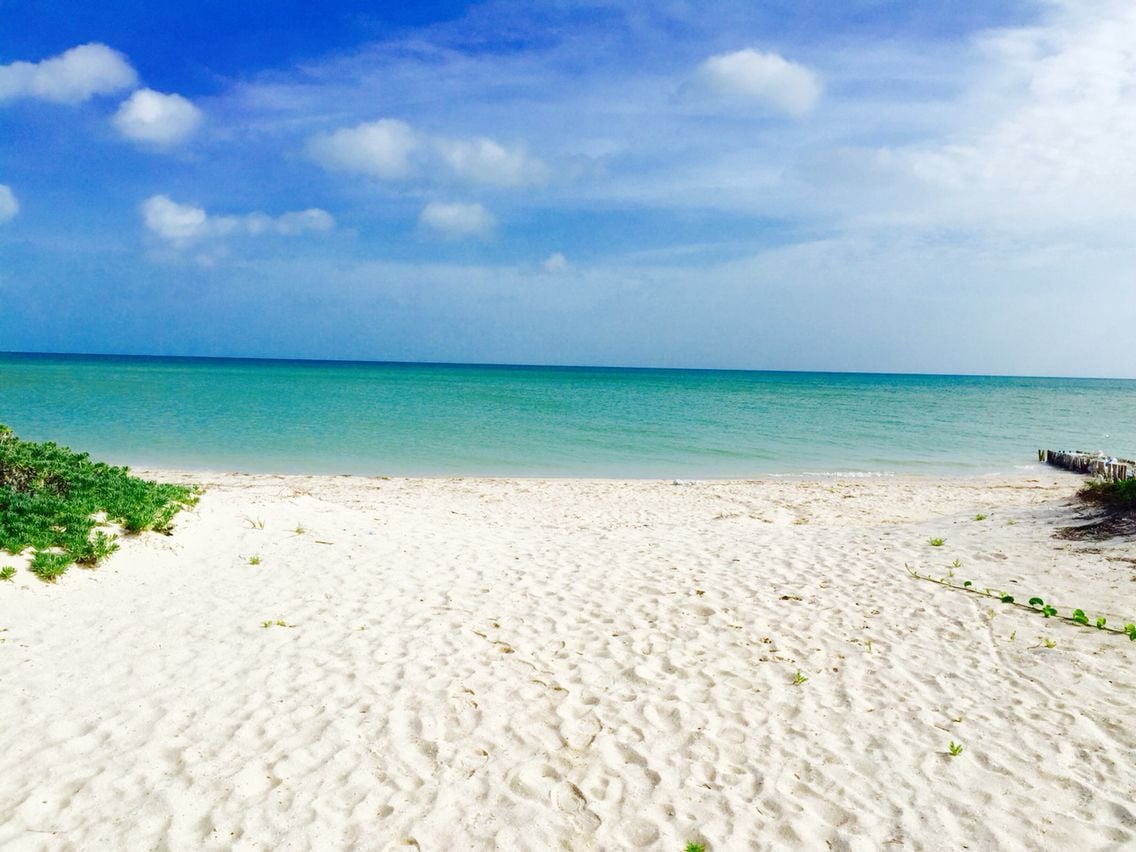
(956,564)
(255,523)
(300,529)
(48,566)
(7,573)
(936,542)
(1113,494)
(799,678)
(981,517)
(1077,616)
(51,500)
(254,560)
(954,748)
(695,847)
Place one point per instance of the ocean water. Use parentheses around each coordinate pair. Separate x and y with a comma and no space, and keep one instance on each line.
(430,419)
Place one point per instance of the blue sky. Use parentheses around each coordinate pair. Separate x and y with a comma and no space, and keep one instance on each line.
(885,186)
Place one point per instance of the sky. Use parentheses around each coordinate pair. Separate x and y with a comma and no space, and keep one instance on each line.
(845,185)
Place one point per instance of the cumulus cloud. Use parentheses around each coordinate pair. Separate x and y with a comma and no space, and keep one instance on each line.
(555,262)
(392,150)
(160,119)
(382,149)
(456,220)
(74,76)
(1045,136)
(751,76)
(486,162)
(9,206)
(182,224)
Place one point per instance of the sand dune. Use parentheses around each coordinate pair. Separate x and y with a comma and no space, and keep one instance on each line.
(573,664)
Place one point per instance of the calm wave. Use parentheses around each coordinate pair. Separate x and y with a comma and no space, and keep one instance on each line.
(427,419)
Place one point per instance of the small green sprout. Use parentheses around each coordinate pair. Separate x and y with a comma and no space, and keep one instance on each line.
(956,564)
(255,524)
(1010,522)
(254,560)
(1130,631)
(695,847)
(7,573)
(49,567)
(1047,611)
(1007,598)
(266,624)
(980,517)
(954,748)
(869,646)
(936,542)
(1101,622)
(1080,617)
(966,584)
(1013,635)
(300,529)
(799,678)
(1036,602)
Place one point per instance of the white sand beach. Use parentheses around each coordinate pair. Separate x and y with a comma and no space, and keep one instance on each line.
(466,664)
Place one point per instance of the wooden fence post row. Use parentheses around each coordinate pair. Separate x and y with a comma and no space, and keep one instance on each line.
(1092,464)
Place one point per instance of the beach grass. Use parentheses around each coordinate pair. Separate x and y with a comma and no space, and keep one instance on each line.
(1114,494)
(52,499)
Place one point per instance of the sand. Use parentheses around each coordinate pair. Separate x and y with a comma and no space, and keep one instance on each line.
(466,664)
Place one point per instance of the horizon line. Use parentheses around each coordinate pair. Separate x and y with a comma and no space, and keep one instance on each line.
(548,366)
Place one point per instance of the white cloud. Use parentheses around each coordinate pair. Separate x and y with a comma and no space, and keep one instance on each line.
(456,220)
(149,116)
(390,149)
(312,219)
(182,224)
(555,262)
(486,162)
(71,77)
(1045,135)
(382,149)
(753,76)
(9,206)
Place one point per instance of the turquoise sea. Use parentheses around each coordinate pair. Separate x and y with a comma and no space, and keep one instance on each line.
(441,419)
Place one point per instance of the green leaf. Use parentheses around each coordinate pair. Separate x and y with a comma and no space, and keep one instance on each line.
(1080,617)
(1101,622)
(1007,598)
(1036,602)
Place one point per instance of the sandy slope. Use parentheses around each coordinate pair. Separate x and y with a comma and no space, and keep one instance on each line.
(522,664)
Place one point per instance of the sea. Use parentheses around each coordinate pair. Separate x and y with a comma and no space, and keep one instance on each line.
(396,419)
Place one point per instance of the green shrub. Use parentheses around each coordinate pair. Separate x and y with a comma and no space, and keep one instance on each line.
(49,497)
(1117,494)
(50,566)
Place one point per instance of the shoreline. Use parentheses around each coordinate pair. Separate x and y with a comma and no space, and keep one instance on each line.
(1026,471)
(512,663)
